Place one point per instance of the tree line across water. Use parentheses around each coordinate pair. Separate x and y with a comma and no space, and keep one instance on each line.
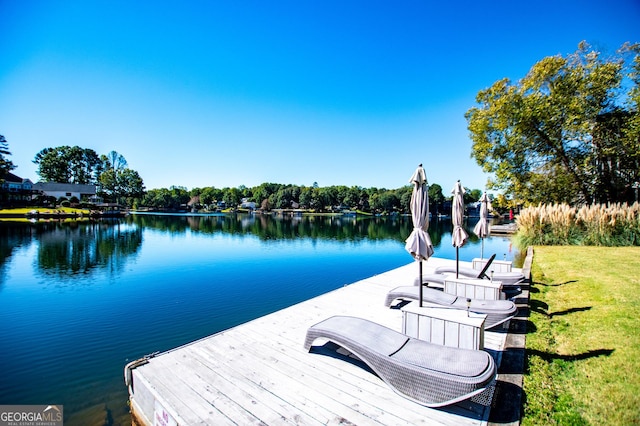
(269,196)
(116,182)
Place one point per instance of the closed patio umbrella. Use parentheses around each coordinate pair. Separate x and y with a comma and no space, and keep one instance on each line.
(482,227)
(419,243)
(459,235)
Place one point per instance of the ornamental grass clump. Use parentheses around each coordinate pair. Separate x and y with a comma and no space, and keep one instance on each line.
(592,225)
(609,225)
(562,223)
(531,226)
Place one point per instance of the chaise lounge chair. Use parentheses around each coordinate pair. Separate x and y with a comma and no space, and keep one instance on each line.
(437,279)
(507,278)
(423,372)
(497,311)
(510,280)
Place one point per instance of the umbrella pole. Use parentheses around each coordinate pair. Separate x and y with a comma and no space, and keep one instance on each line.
(420,278)
(457,261)
(482,249)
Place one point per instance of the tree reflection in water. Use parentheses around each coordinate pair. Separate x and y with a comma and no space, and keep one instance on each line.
(76,248)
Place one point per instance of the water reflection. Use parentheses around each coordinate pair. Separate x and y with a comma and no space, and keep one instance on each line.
(78,248)
(73,249)
(267,227)
(338,228)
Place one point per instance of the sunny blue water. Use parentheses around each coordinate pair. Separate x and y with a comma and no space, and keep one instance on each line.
(80,300)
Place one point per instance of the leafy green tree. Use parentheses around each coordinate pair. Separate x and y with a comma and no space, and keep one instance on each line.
(436,198)
(352,197)
(131,185)
(231,197)
(157,198)
(179,195)
(405,198)
(285,197)
(5,164)
(264,191)
(278,200)
(118,182)
(207,195)
(109,186)
(66,164)
(363,201)
(52,165)
(389,201)
(553,135)
(472,195)
(307,197)
(502,203)
(327,197)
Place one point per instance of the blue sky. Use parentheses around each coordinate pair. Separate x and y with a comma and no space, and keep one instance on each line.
(229,93)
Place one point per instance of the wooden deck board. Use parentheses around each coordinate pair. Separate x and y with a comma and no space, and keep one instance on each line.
(281,380)
(259,372)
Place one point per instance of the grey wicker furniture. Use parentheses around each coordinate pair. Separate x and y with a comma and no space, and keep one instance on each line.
(438,277)
(426,373)
(507,278)
(497,311)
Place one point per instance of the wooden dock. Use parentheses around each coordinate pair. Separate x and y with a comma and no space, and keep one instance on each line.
(506,229)
(259,372)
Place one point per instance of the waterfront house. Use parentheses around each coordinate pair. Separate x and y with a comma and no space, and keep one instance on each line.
(15,188)
(65,190)
(246,204)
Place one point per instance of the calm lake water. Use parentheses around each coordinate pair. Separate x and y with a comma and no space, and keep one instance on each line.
(80,300)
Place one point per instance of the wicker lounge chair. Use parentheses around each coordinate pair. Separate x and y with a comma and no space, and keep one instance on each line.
(507,278)
(423,372)
(510,280)
(437,279)
(497,311)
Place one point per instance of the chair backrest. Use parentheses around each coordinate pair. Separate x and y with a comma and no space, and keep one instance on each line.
(483,273)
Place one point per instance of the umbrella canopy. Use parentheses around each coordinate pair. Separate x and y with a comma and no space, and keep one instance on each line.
(459,235)
(482,227)
(419,243)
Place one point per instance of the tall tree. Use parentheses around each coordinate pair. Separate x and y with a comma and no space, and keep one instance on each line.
(5,164)
(65,164)
(114,161)
(471,195)
(117,182)
(436,198)
(543,137)
(231,197)
(131,184)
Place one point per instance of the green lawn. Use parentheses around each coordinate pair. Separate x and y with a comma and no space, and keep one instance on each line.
(25,210)
(583,343)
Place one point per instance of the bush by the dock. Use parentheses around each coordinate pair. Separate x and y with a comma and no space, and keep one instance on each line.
(590,225)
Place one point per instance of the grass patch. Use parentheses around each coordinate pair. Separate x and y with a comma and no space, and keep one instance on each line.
(583,346)
(25,210)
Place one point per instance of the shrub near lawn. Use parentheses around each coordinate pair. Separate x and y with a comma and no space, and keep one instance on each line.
(594,225)
(583,342)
